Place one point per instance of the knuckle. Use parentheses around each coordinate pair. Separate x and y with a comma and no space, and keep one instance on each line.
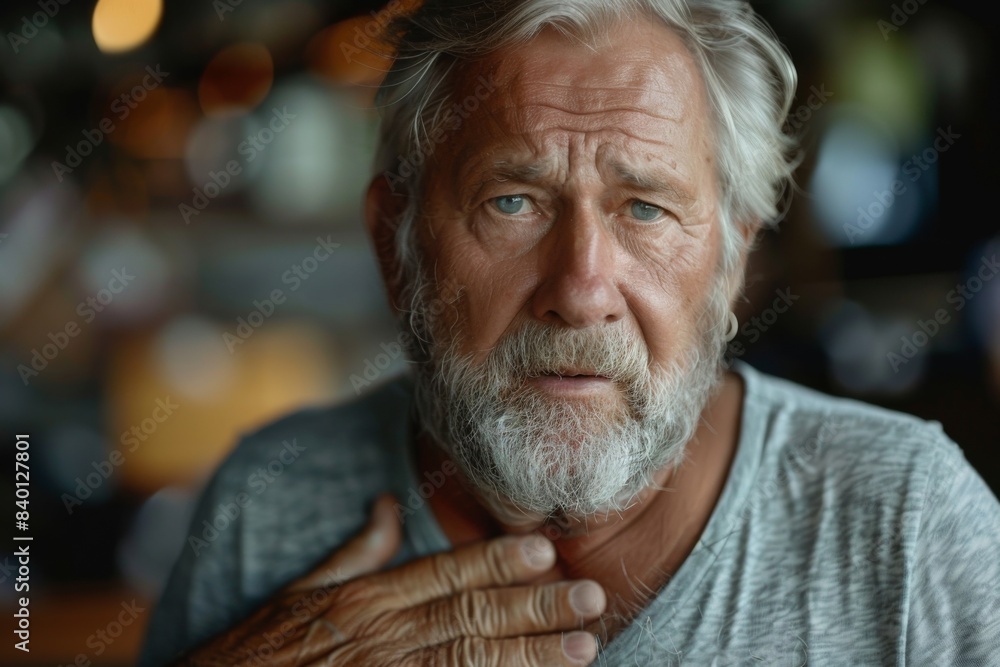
(469,651)
(544,607)
(353,609)
(531,651)
(464,615)
(448,571)
(350,593)
(487,618)
(523,652)
(499,561)
(384,625)
(542,650)
(445,617)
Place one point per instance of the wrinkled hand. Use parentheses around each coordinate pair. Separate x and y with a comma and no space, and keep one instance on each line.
(471,606)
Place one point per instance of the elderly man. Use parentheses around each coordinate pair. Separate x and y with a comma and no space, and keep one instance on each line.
(569,475)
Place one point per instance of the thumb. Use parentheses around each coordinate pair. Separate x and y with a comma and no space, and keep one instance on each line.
(367,552)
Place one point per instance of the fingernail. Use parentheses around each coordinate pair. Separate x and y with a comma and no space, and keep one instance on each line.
(375,539)
(538,552)
(587,598)
(579,647)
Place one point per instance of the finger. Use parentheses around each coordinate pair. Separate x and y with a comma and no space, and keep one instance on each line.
(573,648)
(485,614)
(510,612)
(499,562)
(367,552)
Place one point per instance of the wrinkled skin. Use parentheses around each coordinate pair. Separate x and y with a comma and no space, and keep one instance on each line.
(467,607)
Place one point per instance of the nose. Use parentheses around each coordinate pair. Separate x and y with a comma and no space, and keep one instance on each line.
(578,273)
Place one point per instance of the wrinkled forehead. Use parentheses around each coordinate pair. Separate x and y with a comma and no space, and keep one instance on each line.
(628,110)
(637,80)
(642,66)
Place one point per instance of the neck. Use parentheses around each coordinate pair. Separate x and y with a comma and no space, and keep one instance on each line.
(628,552)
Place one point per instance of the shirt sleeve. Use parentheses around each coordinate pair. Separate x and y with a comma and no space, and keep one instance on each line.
(954,596)
(203,594)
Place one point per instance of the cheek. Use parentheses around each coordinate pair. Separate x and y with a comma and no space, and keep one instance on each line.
(676,267)
(668,288)
(508,239)
(493,293)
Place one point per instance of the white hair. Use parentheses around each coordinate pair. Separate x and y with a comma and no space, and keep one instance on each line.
(501,434)
(525,455)
(749,79)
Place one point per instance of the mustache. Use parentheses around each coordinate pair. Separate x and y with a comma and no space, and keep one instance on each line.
(614,351)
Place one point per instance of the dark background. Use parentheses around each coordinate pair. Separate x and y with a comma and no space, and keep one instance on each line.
(167,335)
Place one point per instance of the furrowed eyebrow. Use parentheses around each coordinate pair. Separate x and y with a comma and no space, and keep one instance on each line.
(506,171)
(502,170)
(651,182)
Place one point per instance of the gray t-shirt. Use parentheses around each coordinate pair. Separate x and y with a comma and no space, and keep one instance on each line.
(845,535)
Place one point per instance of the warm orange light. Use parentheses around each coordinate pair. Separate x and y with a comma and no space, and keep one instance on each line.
(346,54)
(236,80)
(354,51)
(168,435)
(159,126)
(122,25)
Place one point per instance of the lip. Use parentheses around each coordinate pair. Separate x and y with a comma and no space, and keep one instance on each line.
(570,383)
(573,372)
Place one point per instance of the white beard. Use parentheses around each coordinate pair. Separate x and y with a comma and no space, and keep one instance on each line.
(526,453)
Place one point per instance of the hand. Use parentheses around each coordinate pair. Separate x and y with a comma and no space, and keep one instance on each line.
(466,607)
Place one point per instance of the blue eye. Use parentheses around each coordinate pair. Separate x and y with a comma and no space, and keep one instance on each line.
(645,212)
(510,204)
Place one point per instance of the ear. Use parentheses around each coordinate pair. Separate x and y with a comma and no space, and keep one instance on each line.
(749,230)
(383,210)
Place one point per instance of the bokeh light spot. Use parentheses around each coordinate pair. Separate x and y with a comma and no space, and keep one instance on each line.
(122,25)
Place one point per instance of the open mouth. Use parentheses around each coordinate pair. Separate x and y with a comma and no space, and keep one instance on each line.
(570,380)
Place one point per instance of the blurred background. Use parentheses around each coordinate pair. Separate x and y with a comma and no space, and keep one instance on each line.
(182,257)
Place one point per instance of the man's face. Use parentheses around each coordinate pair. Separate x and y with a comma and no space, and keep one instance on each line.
(577,210)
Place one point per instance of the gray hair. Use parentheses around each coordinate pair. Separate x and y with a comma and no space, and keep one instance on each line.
(749,79)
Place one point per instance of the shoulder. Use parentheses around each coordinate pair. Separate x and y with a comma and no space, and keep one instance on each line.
(846,438)
(336,438)
(878,505)
(855,481)
(296,488)
(286,496)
